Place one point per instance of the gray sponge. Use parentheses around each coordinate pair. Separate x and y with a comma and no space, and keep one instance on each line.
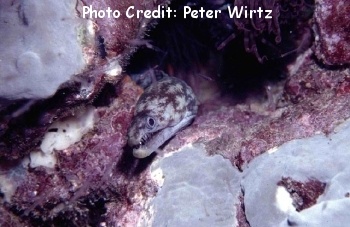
(39,48)
(322,158)
(198,190)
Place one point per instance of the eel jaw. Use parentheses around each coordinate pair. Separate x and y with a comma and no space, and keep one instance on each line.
(143,141)
(142,150)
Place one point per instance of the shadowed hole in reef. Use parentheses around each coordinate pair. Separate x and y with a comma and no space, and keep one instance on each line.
(182,47)
(105,96)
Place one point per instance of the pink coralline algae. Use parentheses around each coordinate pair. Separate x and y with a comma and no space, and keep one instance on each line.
(332,28)
(304,194)
(316,101)
(95,181)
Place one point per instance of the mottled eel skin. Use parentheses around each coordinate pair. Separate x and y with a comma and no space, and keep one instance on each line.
(166,106)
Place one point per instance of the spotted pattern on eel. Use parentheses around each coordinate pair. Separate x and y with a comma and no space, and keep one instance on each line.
(166,106)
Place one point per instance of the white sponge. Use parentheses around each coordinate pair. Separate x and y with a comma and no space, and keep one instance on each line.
(60,136)
(64,133)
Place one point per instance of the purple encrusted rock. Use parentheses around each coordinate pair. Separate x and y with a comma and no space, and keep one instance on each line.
(332,28)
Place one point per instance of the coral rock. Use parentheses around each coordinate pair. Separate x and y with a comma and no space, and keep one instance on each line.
(332,30)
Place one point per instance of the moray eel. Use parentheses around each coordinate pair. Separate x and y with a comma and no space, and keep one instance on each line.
(166,106)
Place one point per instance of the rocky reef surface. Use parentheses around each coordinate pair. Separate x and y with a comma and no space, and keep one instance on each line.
(332,32)
(276,158)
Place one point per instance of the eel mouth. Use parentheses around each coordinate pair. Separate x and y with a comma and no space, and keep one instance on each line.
(148,144)
(144,140)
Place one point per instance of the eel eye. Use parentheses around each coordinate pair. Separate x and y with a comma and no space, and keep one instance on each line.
(151,122)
